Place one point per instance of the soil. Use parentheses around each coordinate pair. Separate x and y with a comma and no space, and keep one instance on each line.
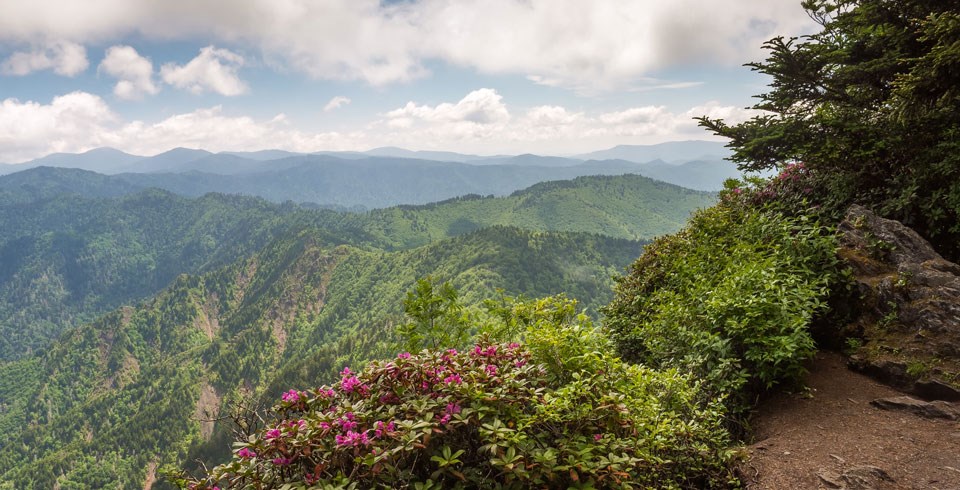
(831,437)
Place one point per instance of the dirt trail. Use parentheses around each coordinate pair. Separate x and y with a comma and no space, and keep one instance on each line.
(837,439)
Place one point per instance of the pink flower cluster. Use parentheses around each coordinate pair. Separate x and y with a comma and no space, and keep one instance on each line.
(350,383)
(429,376)
(490,351)
(451,410)
(292,396)
(383,429)
(353,439)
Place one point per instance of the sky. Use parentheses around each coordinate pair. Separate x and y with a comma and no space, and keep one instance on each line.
(552,77)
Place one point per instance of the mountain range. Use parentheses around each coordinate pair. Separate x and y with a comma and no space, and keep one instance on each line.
(139,310)
(386,176)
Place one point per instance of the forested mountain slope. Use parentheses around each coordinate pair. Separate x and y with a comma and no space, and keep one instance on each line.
(114,400)
(65,259)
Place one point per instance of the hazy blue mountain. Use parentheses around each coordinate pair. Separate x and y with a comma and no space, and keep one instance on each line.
(102,160)
(528,160)
(262,155)
(442,156)
(177,159)
(370,182)
(671,152)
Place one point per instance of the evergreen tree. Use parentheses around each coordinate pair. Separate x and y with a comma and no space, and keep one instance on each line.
(871,105)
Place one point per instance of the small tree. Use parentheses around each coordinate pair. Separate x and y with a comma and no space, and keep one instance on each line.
(437,319)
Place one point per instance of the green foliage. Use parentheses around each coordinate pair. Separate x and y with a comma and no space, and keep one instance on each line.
(450,419)
(728,299)
(871,106)
(436,317)
(562,338)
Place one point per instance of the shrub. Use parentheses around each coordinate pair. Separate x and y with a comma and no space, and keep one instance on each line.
(728,299)
(491,417)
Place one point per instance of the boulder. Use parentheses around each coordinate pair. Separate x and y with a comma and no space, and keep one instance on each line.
(937,409)
(907,329)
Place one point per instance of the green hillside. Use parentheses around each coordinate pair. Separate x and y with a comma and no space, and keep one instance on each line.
(66,259)
(624,206)
(114,400)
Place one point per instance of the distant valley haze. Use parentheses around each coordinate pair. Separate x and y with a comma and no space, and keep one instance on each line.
(376,178)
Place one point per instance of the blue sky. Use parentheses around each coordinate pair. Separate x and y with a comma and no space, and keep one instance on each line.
(479,76)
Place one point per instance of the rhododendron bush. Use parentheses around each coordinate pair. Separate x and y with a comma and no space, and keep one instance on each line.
(490,416)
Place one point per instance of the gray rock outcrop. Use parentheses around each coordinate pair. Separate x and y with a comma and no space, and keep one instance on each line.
(909,307)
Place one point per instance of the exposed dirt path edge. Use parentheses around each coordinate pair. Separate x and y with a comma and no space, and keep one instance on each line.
(833,429)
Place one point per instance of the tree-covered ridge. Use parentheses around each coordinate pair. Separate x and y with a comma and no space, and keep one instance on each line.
(117,397)
(65,259)
(623,206)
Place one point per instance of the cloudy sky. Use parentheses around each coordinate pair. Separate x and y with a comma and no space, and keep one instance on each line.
(479,76)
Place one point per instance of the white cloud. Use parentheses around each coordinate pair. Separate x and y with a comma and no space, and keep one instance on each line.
(483,106)
(547,129)
(481,122)
(134,73)
(336,103)
(73,122)
(81,121)
(213,70)
(65,58)
(570,43)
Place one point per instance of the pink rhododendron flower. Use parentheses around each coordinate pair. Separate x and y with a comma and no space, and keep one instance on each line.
(491,369)
(281,461)
(403,355)
(597,437)
(273,433)
(353,439)
(349,384)
(453,379)
(291,396)
(246,453)
(382,428)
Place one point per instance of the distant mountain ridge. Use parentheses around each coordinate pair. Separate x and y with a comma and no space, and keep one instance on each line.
(366,183)
(110,161)
(670,152)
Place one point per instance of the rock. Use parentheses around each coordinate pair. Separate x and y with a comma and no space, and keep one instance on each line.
(864,477)
(830,478)
(908,312)
(930,410)
(936,390)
